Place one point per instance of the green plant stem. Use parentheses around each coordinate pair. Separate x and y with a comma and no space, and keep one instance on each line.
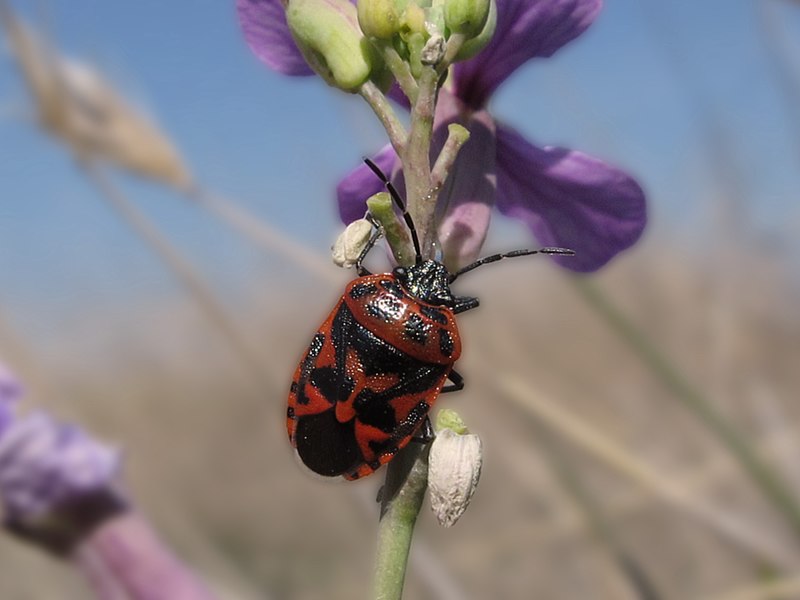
(417,163)
(399,68)
(457,136)
(407,474)
(761,473)
(382,209)
(403,494)
(454,44)
(386,115)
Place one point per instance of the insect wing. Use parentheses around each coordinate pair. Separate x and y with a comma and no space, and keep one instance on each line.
(356,399)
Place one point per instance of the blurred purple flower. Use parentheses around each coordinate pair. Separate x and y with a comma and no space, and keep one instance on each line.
(565,197)
(46,465)
(126,555)
(10,393)
(58,489)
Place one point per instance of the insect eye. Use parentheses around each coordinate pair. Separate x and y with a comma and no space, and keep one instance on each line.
(400,271)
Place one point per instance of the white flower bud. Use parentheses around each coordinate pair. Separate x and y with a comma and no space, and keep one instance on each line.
(351,242)
(454,468)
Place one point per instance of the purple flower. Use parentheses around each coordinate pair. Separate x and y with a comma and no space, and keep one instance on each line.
(45,464)
(565,197)
(55,473)
(58,489)
(10,393)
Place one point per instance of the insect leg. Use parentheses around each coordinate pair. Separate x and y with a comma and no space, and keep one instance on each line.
(465,303)
(458,383)
(373,239)
(425,434)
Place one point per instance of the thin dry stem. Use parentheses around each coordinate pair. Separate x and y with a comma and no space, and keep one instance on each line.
(603,448)
(265,235)
(180,267)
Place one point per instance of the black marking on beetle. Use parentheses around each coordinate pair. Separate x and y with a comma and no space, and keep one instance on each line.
(386,308)
(364,397)
(316,345)
(411,422)
(290,412)
(375,356)
(293,387)
(326,381)
(374,410)
(379,447)
(374,465)
(327,446)
(360,290)
(308,365)
(446,342)
(414,329)
(392,287)
(331,384)
(433,314)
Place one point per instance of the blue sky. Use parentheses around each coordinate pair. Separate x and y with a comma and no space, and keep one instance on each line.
(638,89)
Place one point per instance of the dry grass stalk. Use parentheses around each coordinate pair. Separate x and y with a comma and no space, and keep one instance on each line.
(604,449)
(77,105)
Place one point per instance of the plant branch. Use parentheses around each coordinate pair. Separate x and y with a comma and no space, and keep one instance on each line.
(416,161)
(602,447)
(386,114)
(399,68)
(403,493)
(179,266)
(761,472)
(457,136)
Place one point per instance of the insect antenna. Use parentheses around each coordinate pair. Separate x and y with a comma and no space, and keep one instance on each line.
(513,254)
(400,204)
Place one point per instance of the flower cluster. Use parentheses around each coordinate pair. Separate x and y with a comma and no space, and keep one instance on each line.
(565,197)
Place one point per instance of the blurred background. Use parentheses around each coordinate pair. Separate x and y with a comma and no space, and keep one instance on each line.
(599,481)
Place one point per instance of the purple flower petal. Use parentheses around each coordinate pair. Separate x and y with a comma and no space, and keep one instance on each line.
(361,183)
(45,464)
(264,26)
(525,29)
(568,199)
(466,200)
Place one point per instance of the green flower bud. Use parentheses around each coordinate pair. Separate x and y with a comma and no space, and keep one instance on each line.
(413,20)
(450,419)
(327,33)
(381,208)
(378,18)
(466,16)
(477,43)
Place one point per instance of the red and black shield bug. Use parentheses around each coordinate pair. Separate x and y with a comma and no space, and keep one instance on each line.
(377,364)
